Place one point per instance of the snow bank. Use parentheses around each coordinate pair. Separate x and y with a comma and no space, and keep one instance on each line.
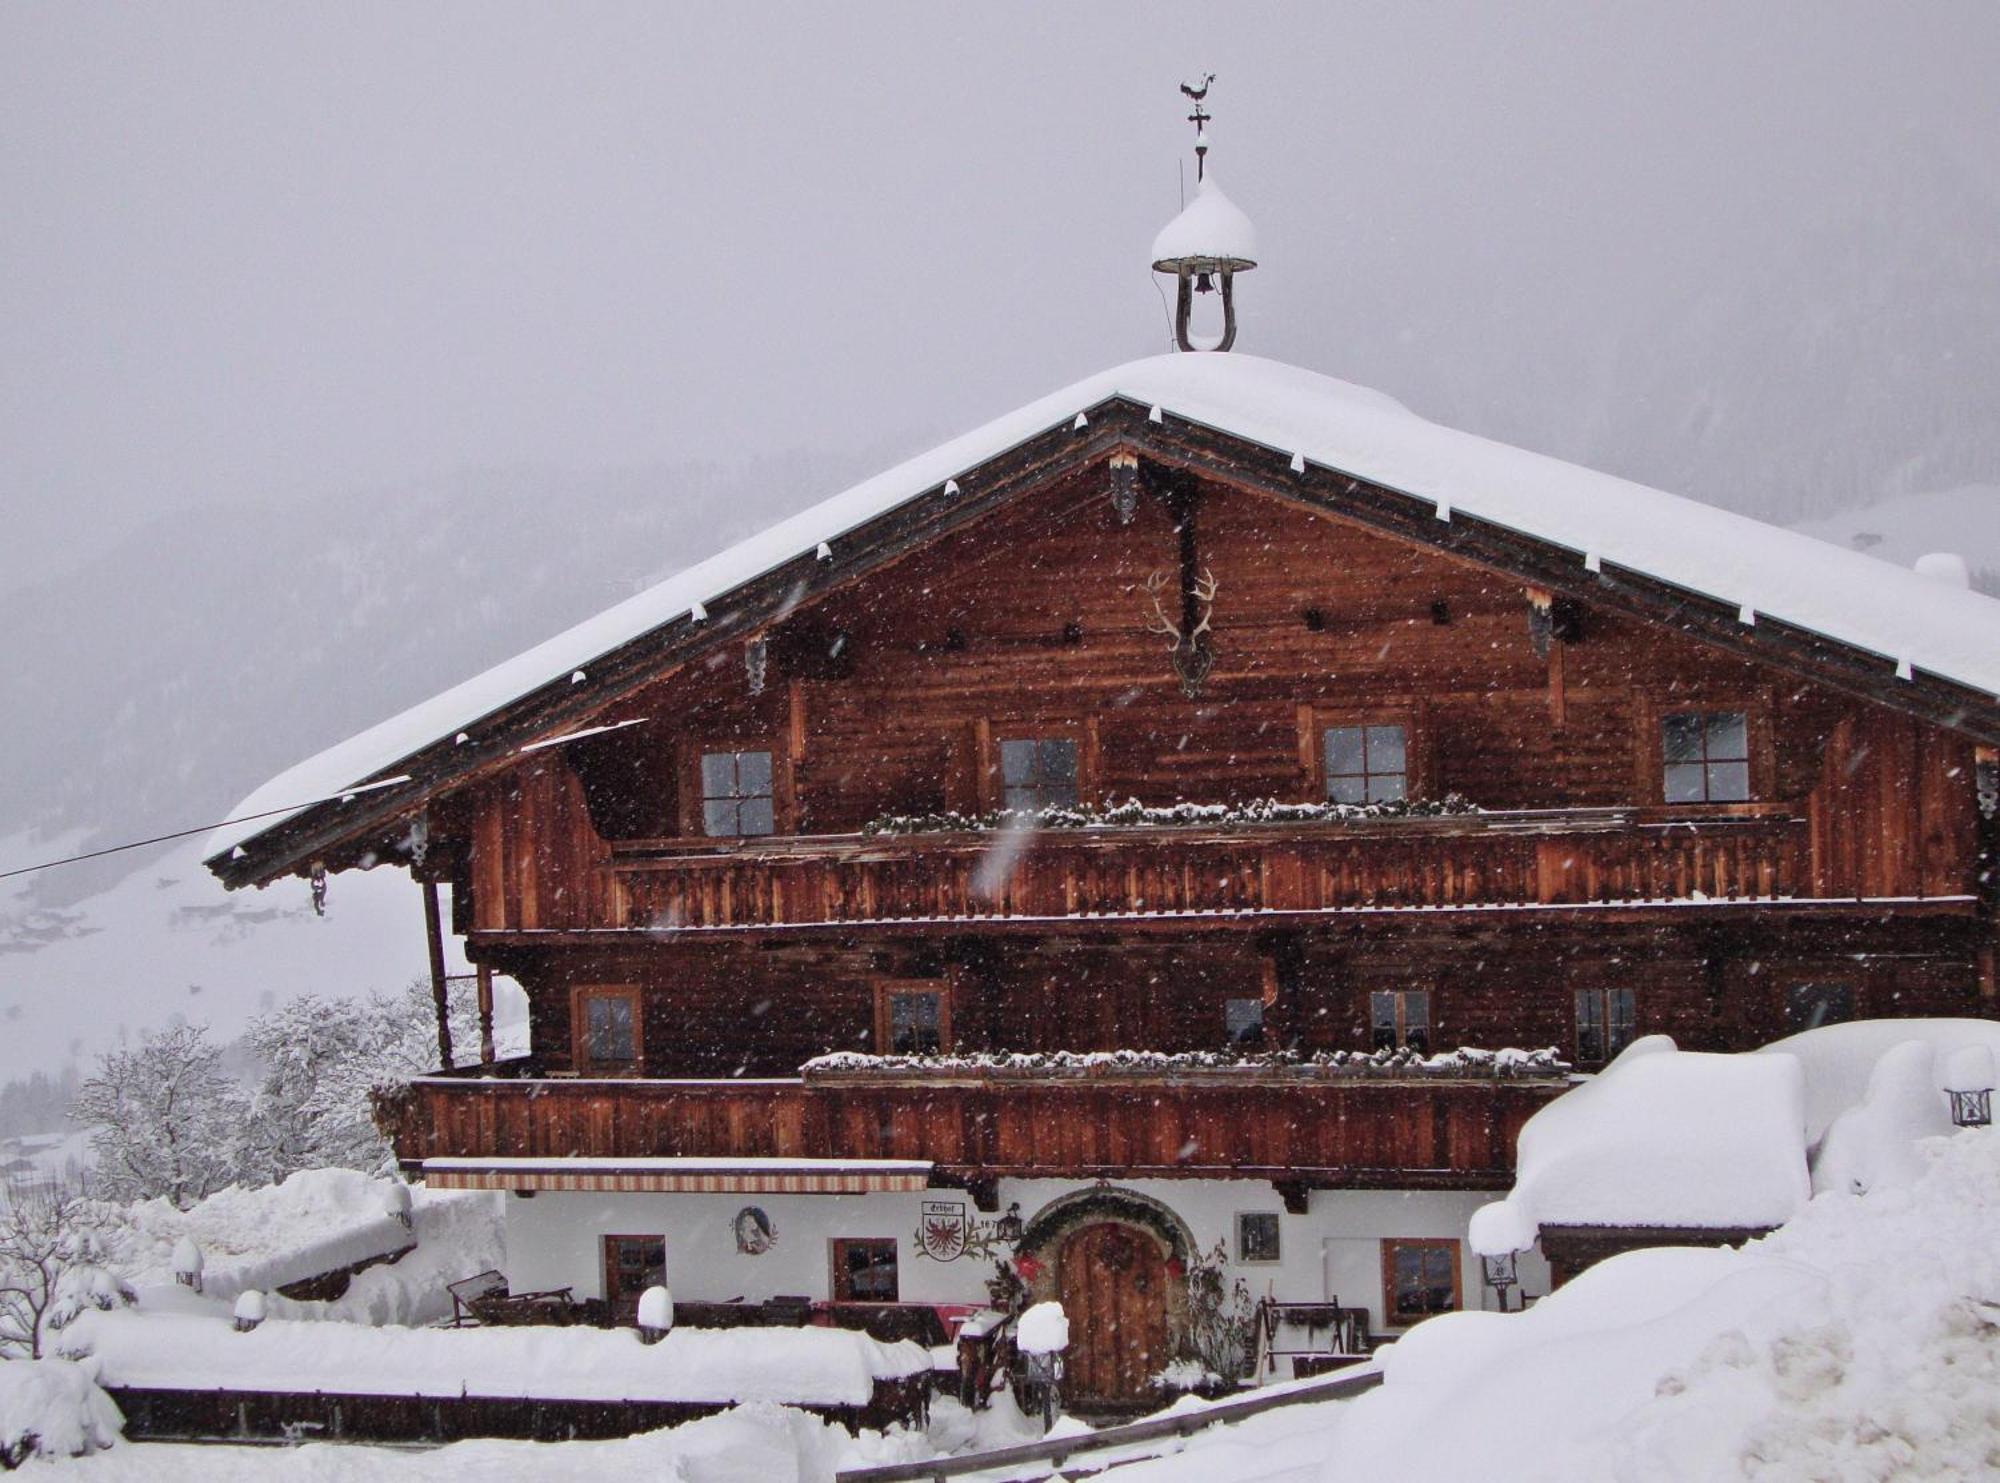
(316,1221)
(1839,1059)
(1665,1137)
(801,1366)
(53,1408)
(757,1443)
(1743,563)
(1857,1342)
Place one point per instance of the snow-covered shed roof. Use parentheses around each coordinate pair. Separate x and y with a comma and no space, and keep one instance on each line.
(1664,1138)
(1762,571)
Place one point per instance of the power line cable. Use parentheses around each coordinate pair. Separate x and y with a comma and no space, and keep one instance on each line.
(140,844)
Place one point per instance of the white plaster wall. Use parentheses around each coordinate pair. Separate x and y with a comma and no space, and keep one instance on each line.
(1332,1251)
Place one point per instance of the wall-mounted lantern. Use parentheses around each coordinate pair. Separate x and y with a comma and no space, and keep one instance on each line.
(1969,1082)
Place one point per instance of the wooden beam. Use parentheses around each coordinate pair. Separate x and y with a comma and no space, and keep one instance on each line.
(1296,1194)
(440,997)
(484,976)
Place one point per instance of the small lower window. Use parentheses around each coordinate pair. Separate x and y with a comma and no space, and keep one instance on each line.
(1257,1236)
(911,1019)
(631,1265)
(1243,1022)
(1419,1278)
(608,1028)
(1400,1019)
(1808,1006)
(864,1270)
(1605,1019)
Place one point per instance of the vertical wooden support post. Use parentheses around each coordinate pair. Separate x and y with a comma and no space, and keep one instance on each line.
(434,932)
(485,980)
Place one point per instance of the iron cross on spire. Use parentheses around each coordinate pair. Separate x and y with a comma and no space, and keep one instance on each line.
(1199,118)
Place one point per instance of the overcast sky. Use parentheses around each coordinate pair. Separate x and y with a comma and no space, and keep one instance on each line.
(260,251)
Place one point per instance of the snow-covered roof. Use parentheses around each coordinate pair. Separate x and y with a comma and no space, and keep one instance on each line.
(1665,1137)
(1211,227)
(1756,568)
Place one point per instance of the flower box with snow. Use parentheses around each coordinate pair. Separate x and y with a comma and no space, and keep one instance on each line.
(1467,1063)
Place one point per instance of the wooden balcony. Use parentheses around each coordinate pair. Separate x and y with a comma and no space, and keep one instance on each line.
(1495,860)
(1306,1126)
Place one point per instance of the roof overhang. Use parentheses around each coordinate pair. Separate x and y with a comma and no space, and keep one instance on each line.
(375,809)
(682,1176)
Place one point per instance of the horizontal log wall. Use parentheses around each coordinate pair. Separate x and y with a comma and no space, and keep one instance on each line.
(1034,622)
(1359,1132)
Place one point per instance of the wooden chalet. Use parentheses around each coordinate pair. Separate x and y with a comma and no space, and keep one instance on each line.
(817,868)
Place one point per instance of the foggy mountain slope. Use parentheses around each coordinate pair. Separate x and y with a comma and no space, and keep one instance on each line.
(1903,527)
(1790,370)
(152,688)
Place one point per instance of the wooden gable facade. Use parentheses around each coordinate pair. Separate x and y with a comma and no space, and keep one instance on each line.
(1627,811)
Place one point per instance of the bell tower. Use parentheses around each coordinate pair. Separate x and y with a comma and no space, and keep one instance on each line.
(1209,243)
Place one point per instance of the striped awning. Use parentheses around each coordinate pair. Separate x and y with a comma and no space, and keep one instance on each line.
(682,1176)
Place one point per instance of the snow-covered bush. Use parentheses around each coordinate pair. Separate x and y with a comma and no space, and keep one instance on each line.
(53,1408)
(52,1265)
(166,1120)
(322,1059)
(1043,1329)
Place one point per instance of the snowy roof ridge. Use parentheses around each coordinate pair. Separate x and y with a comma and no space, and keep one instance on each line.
(1842,595)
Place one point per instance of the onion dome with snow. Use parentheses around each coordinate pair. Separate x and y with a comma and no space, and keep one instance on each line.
(1211,235)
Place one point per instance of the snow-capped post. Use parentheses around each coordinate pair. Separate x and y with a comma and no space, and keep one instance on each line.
(656,1314)
(396,1204)
(1968,1079)
(1041,1337)
(1499,1233)
(187,1263)
(249,1310)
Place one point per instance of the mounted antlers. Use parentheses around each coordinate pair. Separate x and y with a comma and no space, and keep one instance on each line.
(1192,656)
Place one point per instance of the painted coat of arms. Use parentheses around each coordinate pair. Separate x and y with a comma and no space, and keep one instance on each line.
(942,1234)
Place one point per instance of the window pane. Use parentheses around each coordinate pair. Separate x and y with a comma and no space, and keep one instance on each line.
(1025,799)
(1350,789)
(1058,761)
(753,772)
(718,774)
(1257,1237)
(1243,1021)
(608,1033)
(1589,1026)
(1017,761)
(914,1022)
(1344,750)
(1728,782)
(1385,749)
(1680,737)
(869,1268)
(718,817)
(1728,736)
(1685,782)
(1624,1018)
(1808,1006)
(1385,787)
(1382,1021)
(753,816)
(1417,1010)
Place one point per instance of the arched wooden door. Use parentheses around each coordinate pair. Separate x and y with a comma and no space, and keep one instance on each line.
(1112,1280)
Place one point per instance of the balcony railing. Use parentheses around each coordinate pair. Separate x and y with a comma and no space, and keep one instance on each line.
(1314,1126)
(1578,857)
